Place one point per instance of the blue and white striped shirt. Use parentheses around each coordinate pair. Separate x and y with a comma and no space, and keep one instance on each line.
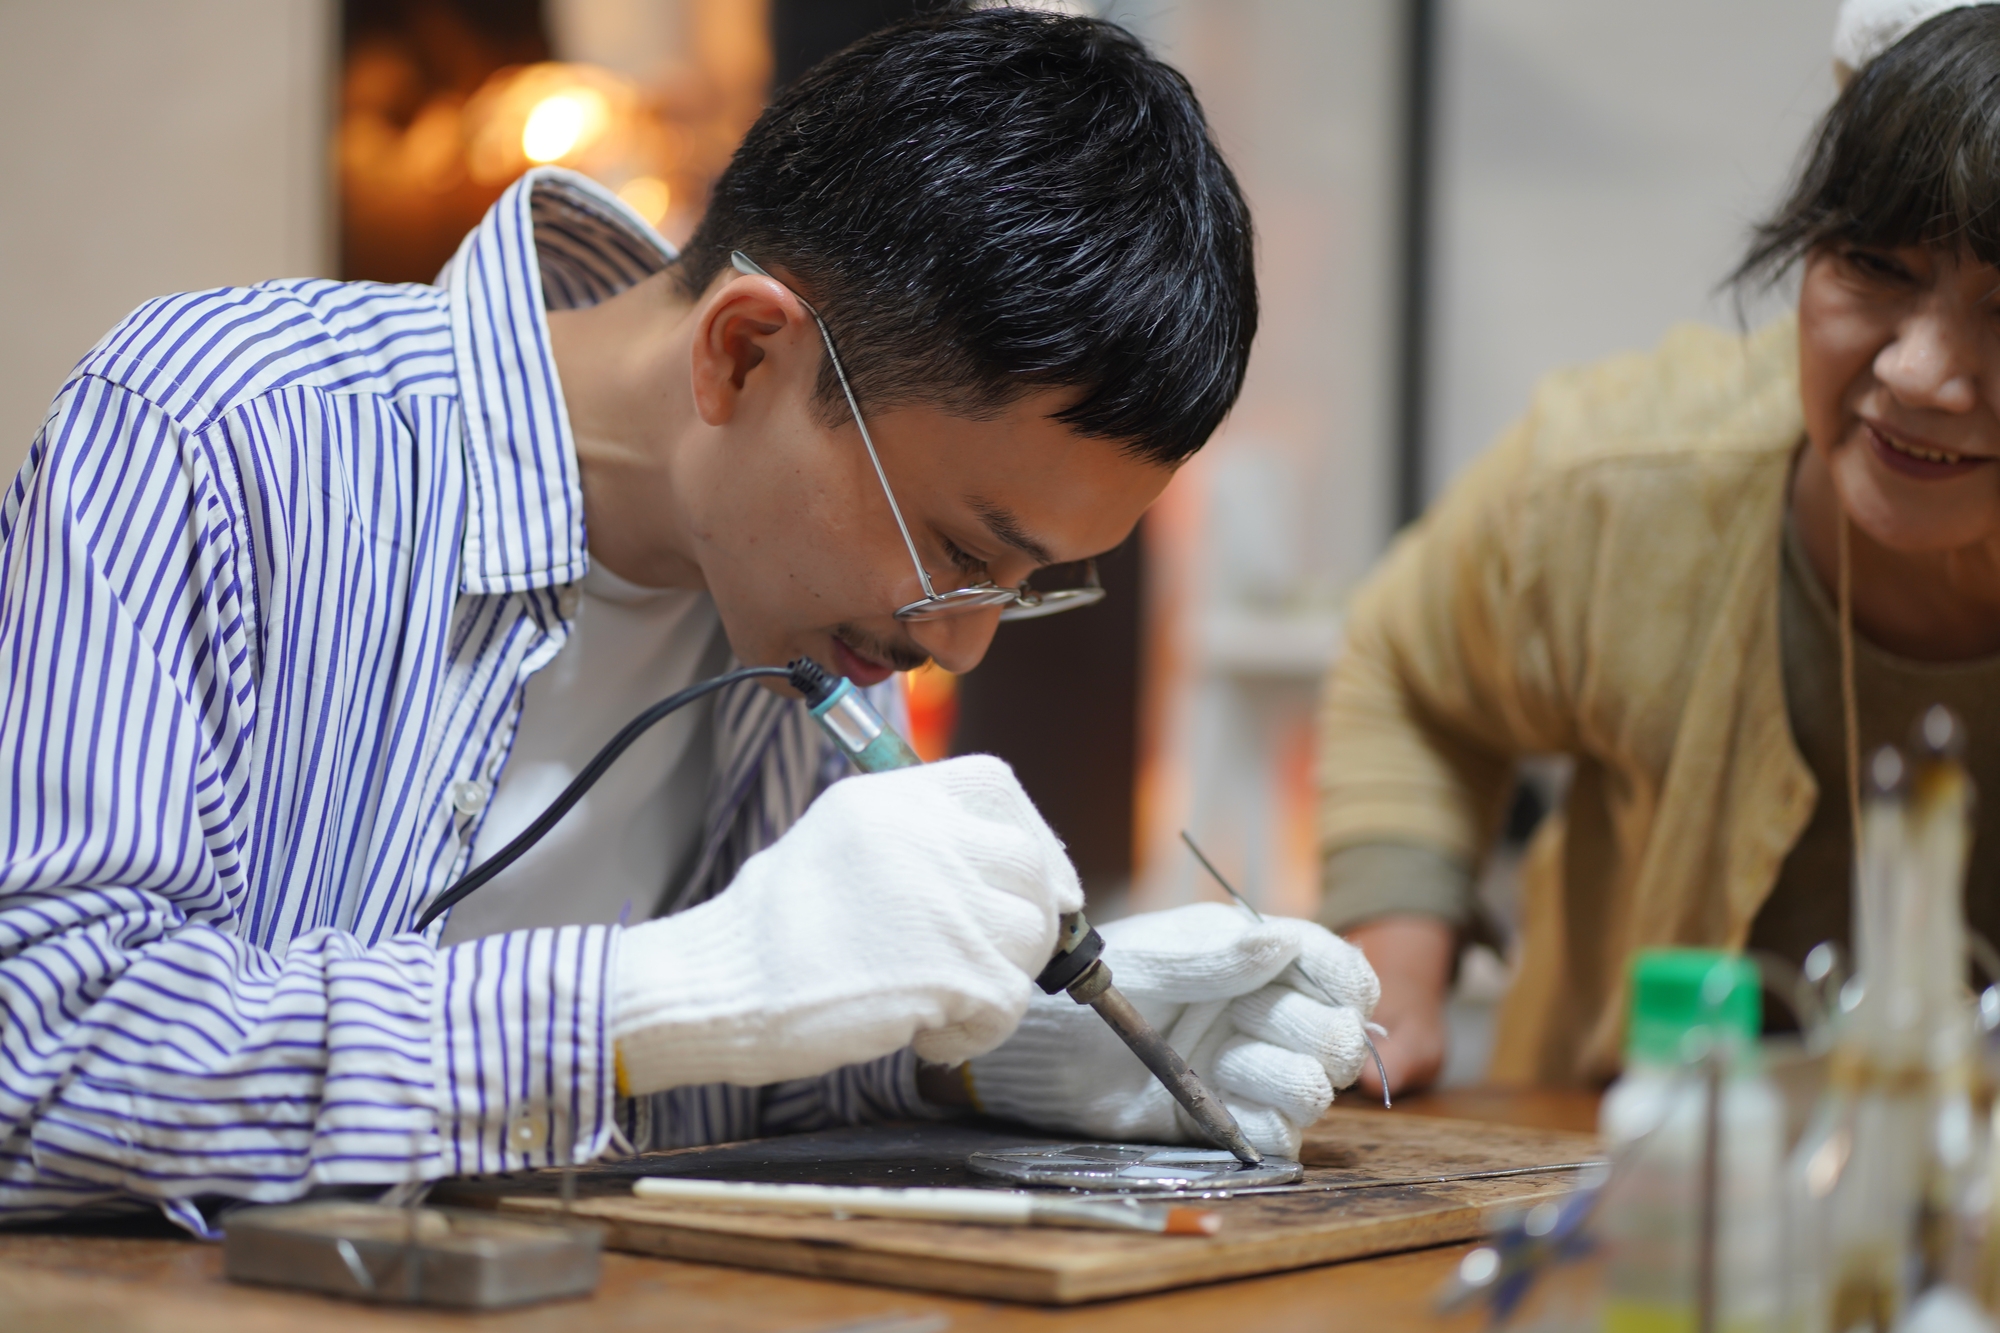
(271,582)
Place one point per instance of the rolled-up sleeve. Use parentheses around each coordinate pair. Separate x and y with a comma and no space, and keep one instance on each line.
(1366,880)
(1448,675)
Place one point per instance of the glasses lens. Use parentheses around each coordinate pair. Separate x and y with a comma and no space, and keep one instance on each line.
(958,602)
(1037,605)
(1023,603)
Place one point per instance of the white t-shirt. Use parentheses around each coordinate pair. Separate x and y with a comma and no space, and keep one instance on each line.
(639,828)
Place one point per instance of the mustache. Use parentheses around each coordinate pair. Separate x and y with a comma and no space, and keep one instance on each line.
(900,654)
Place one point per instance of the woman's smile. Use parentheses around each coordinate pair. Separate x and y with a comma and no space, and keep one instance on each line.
(1911,459)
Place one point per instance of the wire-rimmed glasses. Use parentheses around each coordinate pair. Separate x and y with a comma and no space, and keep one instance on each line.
(1017,603)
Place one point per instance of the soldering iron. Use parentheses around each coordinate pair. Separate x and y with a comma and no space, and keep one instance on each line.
(872,746)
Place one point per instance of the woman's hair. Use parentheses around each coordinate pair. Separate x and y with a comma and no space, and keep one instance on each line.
(1909,154)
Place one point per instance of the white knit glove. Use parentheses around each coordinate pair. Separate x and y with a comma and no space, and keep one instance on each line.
(1269,1015)
(915,905)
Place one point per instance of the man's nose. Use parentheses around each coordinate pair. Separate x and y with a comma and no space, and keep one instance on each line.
(1932,362)
(957,643)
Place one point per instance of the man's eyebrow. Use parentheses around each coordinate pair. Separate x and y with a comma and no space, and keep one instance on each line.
(1001,522)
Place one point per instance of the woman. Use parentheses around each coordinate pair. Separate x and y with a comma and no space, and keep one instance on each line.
(1712,575)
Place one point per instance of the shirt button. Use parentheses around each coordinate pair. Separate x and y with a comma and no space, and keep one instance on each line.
(468,797)
(528,1129)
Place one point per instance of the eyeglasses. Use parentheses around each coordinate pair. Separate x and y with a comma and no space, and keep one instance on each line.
(1017,603)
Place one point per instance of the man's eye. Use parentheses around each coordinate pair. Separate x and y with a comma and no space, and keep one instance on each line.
(962,560)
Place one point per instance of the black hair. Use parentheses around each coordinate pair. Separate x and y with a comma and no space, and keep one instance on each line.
(984,203)
(1909,153)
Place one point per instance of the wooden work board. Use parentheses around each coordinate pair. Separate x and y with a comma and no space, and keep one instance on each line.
(1371,1187)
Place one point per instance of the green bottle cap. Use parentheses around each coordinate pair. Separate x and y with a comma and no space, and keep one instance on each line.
(1679,991)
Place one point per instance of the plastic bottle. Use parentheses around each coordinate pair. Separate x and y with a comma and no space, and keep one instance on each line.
(1688,1007)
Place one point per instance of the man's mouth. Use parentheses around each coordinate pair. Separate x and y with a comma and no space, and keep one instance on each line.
(863,671)
(1923,461)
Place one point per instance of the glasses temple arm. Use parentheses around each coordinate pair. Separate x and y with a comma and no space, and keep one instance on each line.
(743,263)
(854,410)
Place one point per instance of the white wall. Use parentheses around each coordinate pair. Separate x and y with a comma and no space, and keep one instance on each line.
(149,148)
(1303,97)
(1291,502)
(1602,161)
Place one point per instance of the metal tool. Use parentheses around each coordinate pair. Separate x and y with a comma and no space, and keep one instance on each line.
(1130,1168)
(872,746)
(429,1256)
(398,1251)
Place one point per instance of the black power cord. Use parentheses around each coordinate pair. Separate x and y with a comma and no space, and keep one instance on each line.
(805,675)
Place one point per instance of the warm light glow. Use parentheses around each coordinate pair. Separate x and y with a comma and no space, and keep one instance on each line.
(931,694)
(648,195)
(562,123)
(579,115)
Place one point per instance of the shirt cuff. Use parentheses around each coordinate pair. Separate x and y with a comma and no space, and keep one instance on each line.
(1371,879)
(523,1050)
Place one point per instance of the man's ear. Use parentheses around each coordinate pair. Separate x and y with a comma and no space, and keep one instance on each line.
(742,323)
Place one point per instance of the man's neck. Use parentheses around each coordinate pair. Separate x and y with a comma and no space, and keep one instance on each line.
(624,376)
(1928,606)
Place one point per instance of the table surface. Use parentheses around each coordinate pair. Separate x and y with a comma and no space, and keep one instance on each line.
(80,1283)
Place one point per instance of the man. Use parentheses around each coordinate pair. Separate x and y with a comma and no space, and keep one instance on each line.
(313,595)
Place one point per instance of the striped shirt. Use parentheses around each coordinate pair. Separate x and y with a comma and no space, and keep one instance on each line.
(271,582)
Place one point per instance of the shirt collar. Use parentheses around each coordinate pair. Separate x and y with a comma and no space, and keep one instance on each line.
(554,241)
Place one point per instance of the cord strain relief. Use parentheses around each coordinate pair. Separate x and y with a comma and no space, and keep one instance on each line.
(812,680)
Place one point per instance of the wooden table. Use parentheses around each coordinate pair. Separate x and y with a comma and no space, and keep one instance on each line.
(80,1284)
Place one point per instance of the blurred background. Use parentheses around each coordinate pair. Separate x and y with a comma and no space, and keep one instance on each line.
(1453,197)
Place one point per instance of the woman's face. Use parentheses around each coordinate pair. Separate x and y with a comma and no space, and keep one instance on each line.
(1899,370)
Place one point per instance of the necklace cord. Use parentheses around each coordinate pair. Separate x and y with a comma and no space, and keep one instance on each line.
(1849,713)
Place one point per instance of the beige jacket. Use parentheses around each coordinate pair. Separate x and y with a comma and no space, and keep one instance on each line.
(1603,583)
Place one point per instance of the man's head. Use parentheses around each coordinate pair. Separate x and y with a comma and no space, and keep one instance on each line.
(1038,273)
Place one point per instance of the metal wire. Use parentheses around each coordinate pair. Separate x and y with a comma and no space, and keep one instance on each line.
(1381,1071)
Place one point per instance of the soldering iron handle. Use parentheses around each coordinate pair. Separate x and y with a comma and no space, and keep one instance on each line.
(1077,948)
(872,746)
(869,743)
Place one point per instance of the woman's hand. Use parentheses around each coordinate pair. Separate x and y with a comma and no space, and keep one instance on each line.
(1412,955)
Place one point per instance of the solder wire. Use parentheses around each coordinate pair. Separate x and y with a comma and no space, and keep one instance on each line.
(1381,1072)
